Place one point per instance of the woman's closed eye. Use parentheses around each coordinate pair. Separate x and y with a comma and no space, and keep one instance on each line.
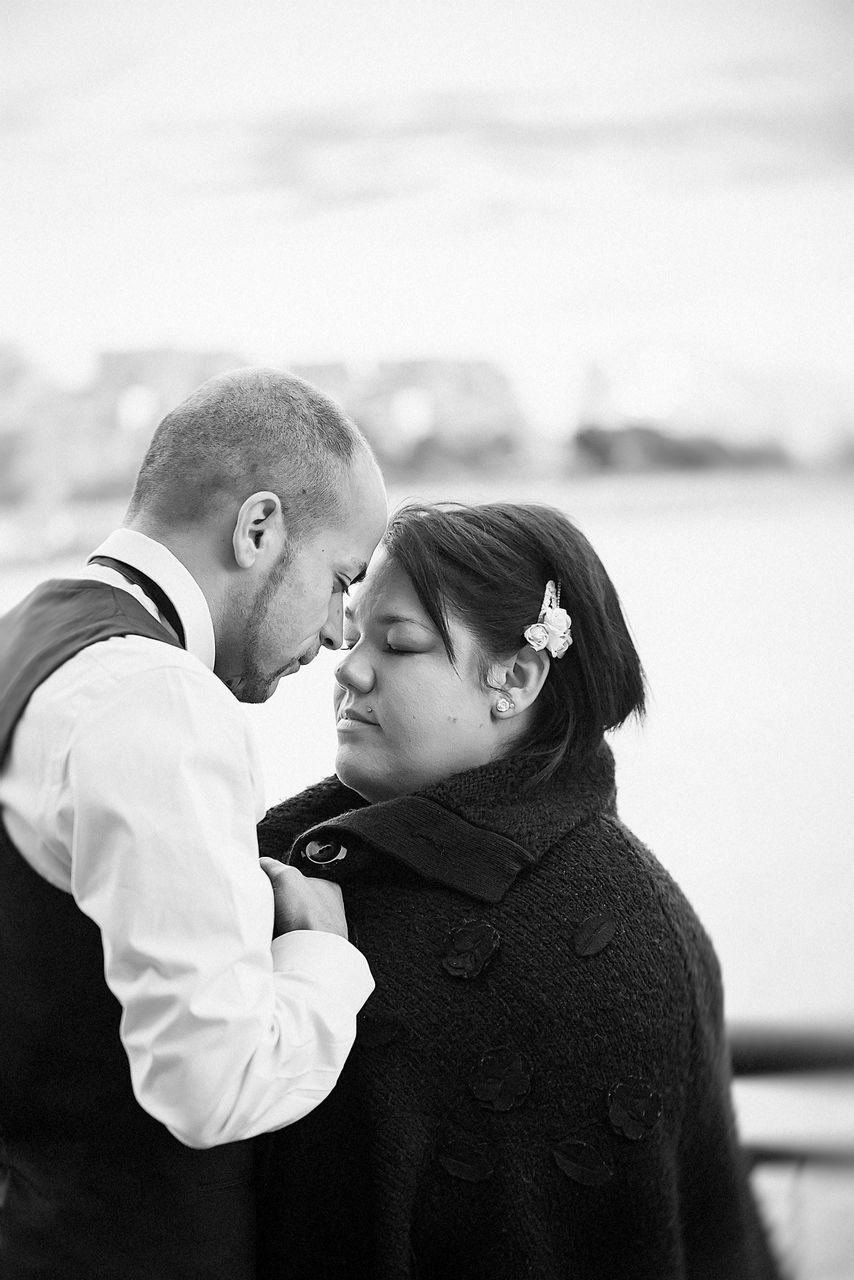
(398,637)
(406,641)
(350,643)
(405,635)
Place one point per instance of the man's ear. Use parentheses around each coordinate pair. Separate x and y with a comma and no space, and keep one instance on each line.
(259,530)
(521,677)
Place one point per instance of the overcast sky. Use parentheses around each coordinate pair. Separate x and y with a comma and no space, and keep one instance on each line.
(662,189)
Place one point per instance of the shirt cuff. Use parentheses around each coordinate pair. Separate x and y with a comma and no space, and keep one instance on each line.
(332,960)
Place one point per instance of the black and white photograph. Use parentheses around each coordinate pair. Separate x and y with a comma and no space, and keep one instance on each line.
(426,613)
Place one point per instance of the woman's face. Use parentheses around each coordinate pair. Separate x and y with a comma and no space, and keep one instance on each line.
(406,716)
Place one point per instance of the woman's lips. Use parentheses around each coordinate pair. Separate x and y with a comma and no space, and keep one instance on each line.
(351,719)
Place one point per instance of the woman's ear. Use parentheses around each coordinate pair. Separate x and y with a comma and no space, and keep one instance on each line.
(518,680)
(527,675)
(259,532)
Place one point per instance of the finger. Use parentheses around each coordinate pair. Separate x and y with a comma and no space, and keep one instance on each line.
(275,869)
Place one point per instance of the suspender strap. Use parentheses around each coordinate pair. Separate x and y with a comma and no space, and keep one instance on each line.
(155,594)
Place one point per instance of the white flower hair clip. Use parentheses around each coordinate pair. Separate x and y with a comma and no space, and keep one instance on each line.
(552,630)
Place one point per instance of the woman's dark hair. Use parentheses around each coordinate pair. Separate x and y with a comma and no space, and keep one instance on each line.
(488,566)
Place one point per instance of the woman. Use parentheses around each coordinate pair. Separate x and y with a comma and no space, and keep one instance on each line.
(540,1083)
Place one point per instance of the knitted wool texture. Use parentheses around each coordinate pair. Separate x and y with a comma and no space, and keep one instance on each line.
(562,1112)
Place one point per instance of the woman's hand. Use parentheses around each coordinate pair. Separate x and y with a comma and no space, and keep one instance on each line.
(304,903)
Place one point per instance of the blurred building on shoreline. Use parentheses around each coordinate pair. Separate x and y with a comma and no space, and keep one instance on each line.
(424,417)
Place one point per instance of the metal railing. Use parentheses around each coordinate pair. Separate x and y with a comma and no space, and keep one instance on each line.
(774,1051)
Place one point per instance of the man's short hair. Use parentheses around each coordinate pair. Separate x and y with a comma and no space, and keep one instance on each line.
(245,431)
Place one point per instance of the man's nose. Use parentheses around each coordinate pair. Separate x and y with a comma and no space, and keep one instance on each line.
(332,631)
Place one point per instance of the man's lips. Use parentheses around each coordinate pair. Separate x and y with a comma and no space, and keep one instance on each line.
(295,663)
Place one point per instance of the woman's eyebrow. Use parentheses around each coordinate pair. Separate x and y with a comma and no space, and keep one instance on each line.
(388,619)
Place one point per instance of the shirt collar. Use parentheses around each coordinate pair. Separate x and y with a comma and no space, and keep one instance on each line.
(156,560)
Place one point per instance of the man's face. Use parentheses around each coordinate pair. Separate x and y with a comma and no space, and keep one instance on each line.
(298,608)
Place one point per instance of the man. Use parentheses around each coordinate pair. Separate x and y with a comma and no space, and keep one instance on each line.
(149,1024)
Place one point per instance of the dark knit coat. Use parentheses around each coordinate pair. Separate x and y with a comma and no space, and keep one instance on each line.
(540,1085)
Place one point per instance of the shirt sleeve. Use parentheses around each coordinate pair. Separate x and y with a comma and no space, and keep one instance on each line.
(228,1034)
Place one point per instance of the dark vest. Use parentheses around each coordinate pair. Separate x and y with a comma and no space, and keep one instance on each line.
(91,1187)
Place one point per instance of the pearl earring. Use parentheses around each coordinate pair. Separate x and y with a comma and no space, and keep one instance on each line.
(504,703)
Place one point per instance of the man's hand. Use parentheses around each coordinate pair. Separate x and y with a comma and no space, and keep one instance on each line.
(304,903)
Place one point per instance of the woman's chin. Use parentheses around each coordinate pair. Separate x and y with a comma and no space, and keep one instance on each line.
(351,775)
(371,787)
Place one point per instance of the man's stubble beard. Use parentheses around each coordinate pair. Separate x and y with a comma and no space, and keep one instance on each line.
(255,685)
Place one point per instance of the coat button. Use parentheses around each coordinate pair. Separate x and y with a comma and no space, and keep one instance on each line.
(323,855)
(469,948)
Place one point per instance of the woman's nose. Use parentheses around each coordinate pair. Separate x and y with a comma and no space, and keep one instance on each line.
(354,672)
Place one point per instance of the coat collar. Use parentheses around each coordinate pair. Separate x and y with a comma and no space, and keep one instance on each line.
(474,832)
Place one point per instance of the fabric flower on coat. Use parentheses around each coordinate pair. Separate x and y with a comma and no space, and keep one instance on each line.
(502,1080)
(634,1109)
(469,949)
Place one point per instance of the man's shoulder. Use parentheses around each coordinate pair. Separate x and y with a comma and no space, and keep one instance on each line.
(125,669)
(123,656)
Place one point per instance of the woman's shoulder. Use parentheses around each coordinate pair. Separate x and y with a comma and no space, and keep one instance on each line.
(281,825)
(612,965)
(630,937)
(636,870)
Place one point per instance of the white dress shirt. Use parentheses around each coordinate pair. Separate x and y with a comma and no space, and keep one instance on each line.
(134,783)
